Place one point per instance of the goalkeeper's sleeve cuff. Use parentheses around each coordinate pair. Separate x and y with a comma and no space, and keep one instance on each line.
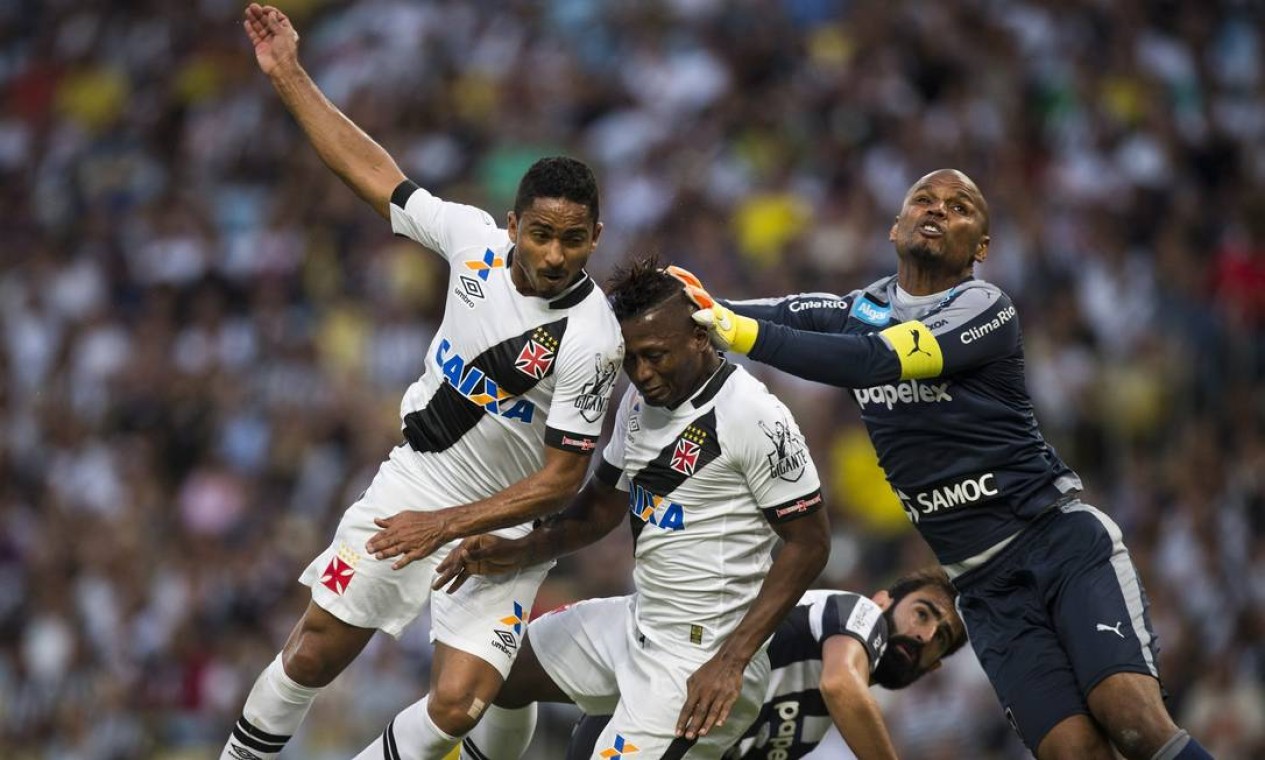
(916,348)
(746,330)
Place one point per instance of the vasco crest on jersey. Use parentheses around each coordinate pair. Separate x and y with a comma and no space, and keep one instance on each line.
(788,455)
(595,395)
(536,357)
(688,447)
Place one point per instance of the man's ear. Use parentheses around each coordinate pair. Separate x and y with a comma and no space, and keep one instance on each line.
(981,251)
(891,234)
(511,226)
(597,233)
(701,337)
(882,599)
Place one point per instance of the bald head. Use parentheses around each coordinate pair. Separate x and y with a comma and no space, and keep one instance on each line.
(953,177)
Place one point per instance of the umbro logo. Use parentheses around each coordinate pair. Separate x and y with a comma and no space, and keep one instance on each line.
(1113,628)
(471,286)
(241,753)
(507,639)
(469,290)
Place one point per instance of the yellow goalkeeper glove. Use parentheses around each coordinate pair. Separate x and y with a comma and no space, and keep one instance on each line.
(728,330)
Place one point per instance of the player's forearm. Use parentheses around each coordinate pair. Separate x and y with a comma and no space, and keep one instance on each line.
(794,569)
(849,361)
(570,531)
(860,722)
(537,495)
(355,157)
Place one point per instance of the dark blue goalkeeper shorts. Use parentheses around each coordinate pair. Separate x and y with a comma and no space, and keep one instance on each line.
(1054,613)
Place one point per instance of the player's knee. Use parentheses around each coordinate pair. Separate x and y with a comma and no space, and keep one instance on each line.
(308,666)
(455,713)
(1138,726)
(1137,734)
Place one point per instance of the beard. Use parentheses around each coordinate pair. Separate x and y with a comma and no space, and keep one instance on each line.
(895,670)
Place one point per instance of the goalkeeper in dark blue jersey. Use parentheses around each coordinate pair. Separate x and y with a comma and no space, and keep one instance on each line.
(934,358)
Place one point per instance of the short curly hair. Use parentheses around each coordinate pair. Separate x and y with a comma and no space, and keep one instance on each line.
(558,177)
(636,288)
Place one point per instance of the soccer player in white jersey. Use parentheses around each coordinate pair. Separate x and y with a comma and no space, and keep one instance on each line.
(709,469)
(499,430)
(825,656)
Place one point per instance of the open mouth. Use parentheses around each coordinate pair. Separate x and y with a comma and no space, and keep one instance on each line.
(930,229)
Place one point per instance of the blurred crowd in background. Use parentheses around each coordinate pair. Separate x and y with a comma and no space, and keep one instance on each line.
(204,336)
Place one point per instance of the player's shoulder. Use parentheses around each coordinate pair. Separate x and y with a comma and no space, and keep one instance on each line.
(743,394)
(747,410)
(978,295)
(745,401)
(413,199)
(592,327)
(838,612)
(597,306)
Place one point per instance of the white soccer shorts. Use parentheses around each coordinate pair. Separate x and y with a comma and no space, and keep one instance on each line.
(486,617)
(594,652)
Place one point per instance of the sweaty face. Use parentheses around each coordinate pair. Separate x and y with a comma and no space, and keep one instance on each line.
(942,223)
(666,356)
(922,626)
(553,240)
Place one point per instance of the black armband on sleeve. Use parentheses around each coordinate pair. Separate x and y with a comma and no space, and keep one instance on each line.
(402,192)
(794,509)
(576,443)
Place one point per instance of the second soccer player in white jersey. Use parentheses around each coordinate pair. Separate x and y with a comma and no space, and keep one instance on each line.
(710,470)
(498,431)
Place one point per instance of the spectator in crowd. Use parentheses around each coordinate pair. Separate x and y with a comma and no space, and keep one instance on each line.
(204,335)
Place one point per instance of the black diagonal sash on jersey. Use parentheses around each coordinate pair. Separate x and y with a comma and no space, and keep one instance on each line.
(449,414)
(793,641)
(659,477)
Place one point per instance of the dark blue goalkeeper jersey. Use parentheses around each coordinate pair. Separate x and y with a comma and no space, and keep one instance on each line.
(958,441)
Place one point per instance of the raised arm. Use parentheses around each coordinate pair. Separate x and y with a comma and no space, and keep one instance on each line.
(713,688)
(845,688)
(803,335)
(357,160)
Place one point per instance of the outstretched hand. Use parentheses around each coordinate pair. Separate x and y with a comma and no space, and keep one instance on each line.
(728,331)
(408,535)
(276,43)
(693,286)
(480,555)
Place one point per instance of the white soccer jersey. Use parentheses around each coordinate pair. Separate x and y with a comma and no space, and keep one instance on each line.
(705,480)
(505,372)
(794,718)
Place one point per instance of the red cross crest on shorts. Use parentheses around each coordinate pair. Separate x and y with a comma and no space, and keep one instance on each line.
(337,575)
(534,360)
(685,458)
